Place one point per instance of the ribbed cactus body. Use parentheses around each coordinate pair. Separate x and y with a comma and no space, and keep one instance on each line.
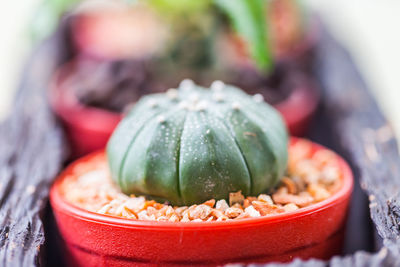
(193,144)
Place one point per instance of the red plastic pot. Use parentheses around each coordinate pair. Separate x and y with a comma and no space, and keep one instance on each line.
(93,239)
(299,107)
(89,128)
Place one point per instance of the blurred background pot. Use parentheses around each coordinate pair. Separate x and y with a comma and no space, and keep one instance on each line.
(89,126)
(93,239)
(131,50)
(299,108)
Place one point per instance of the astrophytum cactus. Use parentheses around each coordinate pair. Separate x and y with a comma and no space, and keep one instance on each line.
(192,144)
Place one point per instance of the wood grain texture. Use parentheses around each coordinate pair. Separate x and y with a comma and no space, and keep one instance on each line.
(31,155)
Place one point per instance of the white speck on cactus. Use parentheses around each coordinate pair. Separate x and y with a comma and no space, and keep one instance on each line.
(202,105)
(194,98)
(218,97)
(172,93)
(208,131)
(183,105)
(161,118)
(187,84)
(235,105)
(217,85)
(258,98)
(152,103)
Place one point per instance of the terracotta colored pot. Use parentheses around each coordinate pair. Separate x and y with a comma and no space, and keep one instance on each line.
(88,128)
(93,239)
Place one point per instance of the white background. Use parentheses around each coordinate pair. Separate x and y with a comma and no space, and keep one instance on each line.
(369,28)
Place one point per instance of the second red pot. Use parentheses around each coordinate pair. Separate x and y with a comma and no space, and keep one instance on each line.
(89,128)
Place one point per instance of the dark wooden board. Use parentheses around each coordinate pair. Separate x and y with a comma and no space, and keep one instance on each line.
(31,145)
(349,121)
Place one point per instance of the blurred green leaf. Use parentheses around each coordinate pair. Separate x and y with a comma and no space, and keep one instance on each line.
(179,7)
(249,20)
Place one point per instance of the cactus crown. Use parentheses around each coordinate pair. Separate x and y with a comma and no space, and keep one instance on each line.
(192,144)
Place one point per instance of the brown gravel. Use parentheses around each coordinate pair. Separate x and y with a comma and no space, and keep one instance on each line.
(311,178)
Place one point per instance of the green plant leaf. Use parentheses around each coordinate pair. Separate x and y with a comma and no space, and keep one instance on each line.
(179,7)
(249,20)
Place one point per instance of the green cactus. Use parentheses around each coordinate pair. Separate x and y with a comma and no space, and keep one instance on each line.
(193,144)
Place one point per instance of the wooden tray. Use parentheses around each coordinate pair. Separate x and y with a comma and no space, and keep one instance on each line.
(349,121)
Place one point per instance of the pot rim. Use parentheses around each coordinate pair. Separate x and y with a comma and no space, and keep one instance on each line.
(60,204)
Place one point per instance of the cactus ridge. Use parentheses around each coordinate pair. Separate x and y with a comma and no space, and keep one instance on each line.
(228,126)
(191,144)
